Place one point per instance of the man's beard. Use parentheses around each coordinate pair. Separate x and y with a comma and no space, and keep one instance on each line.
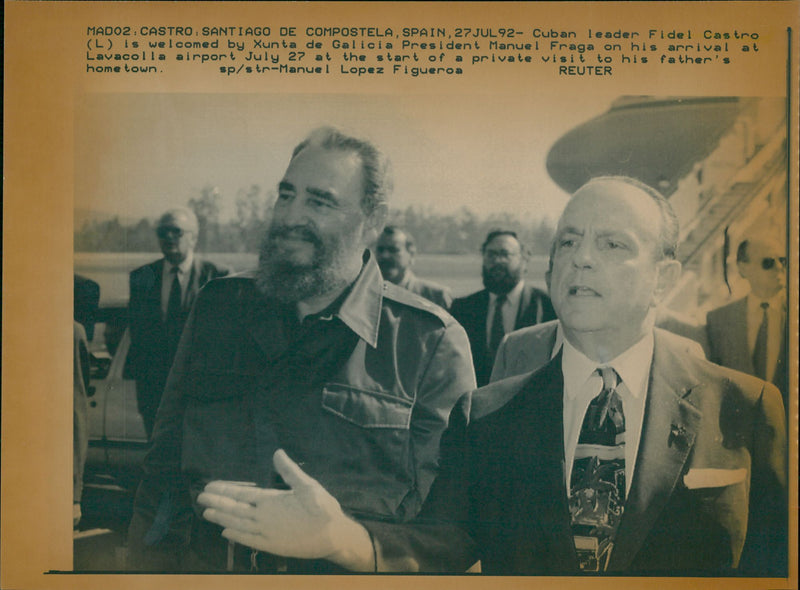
(500,279)
(290,282)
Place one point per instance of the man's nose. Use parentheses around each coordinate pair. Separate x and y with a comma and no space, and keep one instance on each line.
(293,212)
(583,255)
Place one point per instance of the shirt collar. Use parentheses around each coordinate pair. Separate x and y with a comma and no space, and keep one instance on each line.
(185,266)
(512,297)
(777,301)
(632,366)
(361,309)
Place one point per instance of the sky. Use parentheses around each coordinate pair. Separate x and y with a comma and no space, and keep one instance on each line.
(139,154)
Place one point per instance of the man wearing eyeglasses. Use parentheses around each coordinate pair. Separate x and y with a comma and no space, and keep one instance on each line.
(749,334)
(506,303)
(161,295)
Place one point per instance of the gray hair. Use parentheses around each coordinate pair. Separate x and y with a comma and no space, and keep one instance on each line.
(180,212)
(378,183)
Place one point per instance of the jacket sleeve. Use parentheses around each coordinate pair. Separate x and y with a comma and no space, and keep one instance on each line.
(766,545)
(436,539)
(162,515)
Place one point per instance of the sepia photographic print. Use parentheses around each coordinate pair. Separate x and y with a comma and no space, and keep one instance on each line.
(459,294)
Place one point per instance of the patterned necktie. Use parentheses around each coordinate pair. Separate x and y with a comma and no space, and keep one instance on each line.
(597,485)
(174,301)
(760,349)
(498,330)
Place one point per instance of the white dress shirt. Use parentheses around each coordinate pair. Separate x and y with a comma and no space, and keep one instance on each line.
(776,314)
(184,274)
(582,383)
(510,310)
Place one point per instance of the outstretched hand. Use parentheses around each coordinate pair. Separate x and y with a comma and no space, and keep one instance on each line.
(304,521)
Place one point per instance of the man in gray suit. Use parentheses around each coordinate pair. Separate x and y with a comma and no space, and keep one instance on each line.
(749,334)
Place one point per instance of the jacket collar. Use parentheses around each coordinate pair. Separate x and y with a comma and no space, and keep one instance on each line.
(361,309)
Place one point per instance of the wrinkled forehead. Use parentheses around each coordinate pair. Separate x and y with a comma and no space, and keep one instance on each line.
(612,206)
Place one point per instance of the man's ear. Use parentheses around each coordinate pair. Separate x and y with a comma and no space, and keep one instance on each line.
(669,271)
(373,224)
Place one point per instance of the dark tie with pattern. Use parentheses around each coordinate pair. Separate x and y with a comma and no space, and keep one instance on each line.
(597,486)
(497,330)
(760,349)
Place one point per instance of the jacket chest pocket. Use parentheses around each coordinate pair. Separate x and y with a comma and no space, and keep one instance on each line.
(365,444)
(368,409)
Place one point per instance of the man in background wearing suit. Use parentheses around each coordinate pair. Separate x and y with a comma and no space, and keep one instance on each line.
(749,334)
(507,294)
(395,252)
(161,296)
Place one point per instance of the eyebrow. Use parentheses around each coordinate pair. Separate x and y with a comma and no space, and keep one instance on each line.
(569,230)
(324,195)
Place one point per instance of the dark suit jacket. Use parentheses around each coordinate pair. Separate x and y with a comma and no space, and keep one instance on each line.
(698,417)
(525,350)
(504,501)
(729,344)
(151,352)
(471,311)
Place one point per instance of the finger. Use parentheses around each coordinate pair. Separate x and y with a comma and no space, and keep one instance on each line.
(248,494)
(229,521)
(226,504)
(291,472)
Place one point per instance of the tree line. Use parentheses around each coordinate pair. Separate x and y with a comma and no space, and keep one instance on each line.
(460,232)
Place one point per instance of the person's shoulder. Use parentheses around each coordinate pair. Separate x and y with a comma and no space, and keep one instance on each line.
(500,399)
(532,291)
(470,300)
(432,286)
(724,310)
(210,269)
(536,332)
(400,297)
(228,288)
(147,269)
(711,375)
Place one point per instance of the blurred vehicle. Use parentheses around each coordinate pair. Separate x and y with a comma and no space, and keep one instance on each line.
(117,439)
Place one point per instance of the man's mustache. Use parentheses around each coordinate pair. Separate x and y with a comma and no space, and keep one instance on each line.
(295,232)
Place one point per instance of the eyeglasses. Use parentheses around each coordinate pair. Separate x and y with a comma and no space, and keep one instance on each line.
(166,231)
(769,263)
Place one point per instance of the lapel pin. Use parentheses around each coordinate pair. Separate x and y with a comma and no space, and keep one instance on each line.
(677,436)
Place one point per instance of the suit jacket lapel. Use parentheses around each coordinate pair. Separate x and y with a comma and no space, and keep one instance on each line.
(668,433)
